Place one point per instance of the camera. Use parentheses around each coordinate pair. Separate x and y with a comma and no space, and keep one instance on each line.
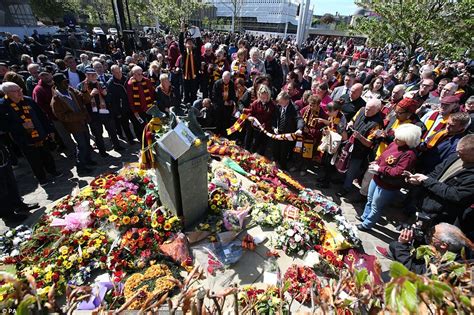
(419,228)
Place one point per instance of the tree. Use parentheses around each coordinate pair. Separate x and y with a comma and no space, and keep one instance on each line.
(235,6)
(327,19)
(440,26)
(52,9)
(100,12)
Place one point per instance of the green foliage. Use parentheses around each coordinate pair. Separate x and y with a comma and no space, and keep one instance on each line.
(361,277)
(441,26)
(52,9)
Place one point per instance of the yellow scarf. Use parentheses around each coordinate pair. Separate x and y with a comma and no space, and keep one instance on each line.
(24,114)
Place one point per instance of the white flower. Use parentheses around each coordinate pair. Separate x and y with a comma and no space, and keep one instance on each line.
(9,233)
(298,238)
(290,233)
(16,241)
(15,252)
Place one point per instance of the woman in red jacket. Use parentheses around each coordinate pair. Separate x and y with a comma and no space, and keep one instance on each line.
(388,170)
(262,109)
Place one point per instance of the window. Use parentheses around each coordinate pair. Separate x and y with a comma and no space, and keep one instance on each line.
(22,14)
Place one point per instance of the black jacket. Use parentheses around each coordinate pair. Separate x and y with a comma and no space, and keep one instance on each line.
(273,69)
(446,201)
(293,119)
(81,74)
(117,96)
(164,101)
(218,90)
(196,54)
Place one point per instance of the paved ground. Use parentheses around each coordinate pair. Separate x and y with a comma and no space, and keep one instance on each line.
(32,192)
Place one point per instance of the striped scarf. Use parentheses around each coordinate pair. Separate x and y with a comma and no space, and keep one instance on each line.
(431,128)
(147,160)
(240,70)
(237,126)
(23,111)
(189,63)
(432,141)
(217,73)
(136,94)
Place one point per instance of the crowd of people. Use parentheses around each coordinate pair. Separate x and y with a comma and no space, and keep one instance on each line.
(349,113)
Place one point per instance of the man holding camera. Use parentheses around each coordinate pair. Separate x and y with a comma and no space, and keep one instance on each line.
(443,237)
(96,104)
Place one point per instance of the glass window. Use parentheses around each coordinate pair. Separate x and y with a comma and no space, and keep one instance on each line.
(21,14)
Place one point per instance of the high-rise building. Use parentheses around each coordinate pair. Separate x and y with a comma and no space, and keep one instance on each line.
(276,16)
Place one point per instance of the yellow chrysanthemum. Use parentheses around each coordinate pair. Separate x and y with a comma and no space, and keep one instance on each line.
(126,220)
(113,218)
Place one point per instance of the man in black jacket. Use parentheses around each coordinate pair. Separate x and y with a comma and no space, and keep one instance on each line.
(273,68)
(286,119)
(72,74)
(118,99)
(190,64)
(449,189)
(223,98)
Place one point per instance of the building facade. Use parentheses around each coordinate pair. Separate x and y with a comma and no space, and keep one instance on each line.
(274,16)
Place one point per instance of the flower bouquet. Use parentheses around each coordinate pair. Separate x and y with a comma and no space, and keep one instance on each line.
(268,301)
(266,214)
(11,241)
(302,283)
(293,237)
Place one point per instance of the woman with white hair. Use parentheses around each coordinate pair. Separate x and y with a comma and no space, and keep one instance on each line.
(262,109)
(389,173)
(166,96)
(255,65)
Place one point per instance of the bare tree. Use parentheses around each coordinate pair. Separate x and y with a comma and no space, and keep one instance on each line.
(235,6)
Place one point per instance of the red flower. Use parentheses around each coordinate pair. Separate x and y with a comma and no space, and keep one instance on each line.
(146,180)
(161,219)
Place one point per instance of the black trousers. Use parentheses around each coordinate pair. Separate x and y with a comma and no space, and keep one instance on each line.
(281,152)
(206,86)
(255,141)
(122,125)
(10,198)
(190,88)
(40,160)
(106,120)
(138,126)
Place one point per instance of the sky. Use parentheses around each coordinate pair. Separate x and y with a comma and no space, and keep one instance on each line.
(344,7)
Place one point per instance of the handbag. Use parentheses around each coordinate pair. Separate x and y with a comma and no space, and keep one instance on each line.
(344,157)
(330,142)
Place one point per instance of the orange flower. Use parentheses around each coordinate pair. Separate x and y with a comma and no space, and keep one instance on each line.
(126,220)
(135,219)
(167,226)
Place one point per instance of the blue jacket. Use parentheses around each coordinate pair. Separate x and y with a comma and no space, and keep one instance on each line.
(11,122)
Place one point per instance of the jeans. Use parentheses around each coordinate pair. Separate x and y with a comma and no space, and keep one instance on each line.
(352,173)
(377,199)
(83,149)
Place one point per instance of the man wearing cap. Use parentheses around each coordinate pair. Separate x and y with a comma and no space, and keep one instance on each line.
(68,106)
(190,63)
(96,103)
(29,128)
(436,120)
(440,145)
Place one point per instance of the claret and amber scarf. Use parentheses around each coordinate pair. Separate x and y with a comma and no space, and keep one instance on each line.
(136,94)
(23,111)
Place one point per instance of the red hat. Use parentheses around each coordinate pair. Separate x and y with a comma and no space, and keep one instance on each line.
(451,99)
(409,104)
